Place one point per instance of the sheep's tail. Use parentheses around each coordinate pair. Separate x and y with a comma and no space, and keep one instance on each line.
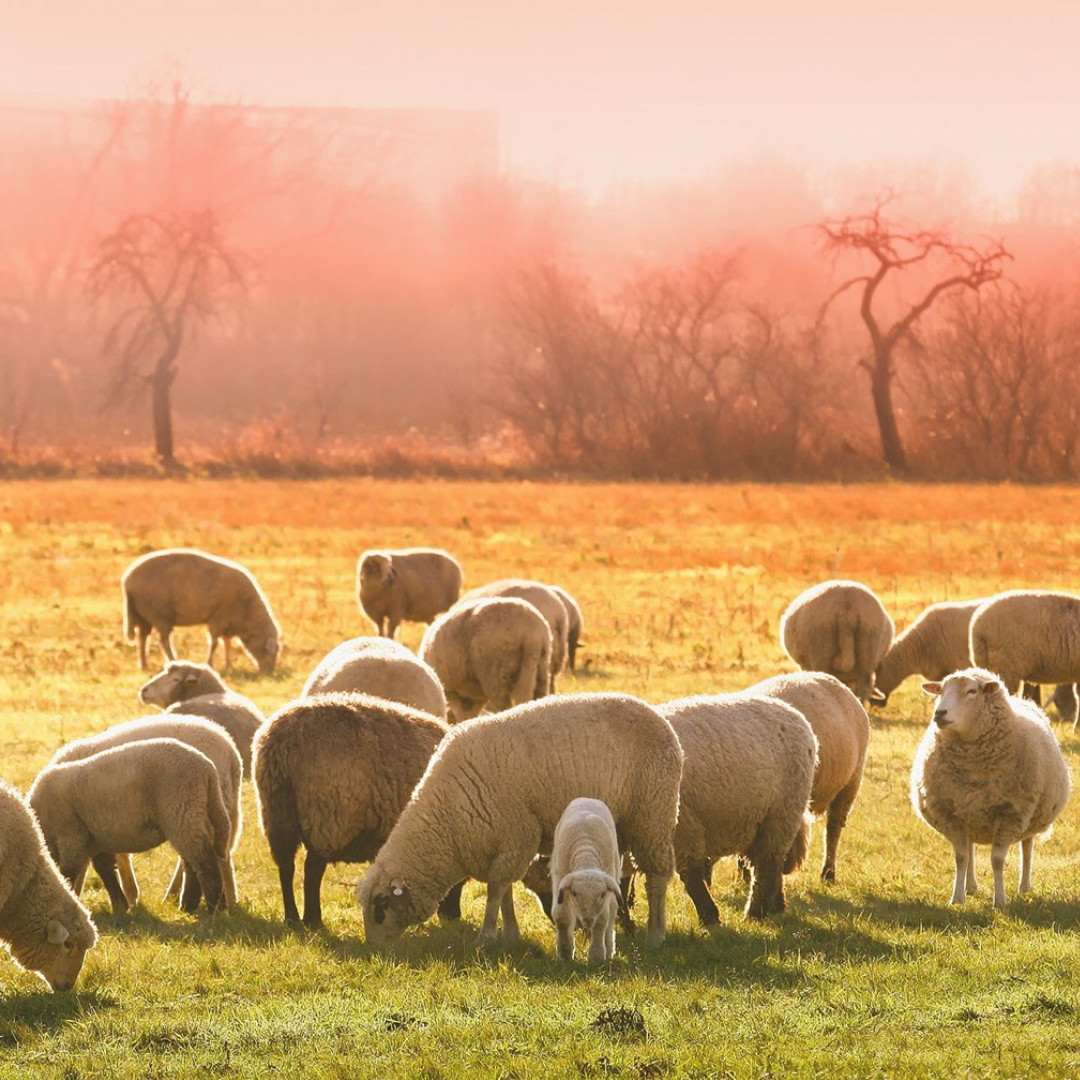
(220,823)
(276,797)
(129,613)
(797,855)
(845,644)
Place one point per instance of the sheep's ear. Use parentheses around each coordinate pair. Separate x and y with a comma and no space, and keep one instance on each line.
(57,932)
(559,899)
(191,677)
(613,887)
(877,697)
(931,688)
(992,687)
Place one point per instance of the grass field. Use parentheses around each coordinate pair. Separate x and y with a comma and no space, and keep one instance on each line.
(681,588)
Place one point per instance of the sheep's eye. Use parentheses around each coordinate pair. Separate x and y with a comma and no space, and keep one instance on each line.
(69,945)
(973,690)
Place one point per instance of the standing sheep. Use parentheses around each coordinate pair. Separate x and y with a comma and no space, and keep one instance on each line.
(382,668)
(412,585)
(45,928)
(575,625)
(747,777)
(184,587)
(987,771)
(198,690)
(493,794)
(842,730)
(841,628)
(333,773)
(585,867)
(542,597)
(489,652)
(133,798)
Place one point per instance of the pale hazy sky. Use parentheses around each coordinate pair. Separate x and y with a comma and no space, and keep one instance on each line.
(606,92)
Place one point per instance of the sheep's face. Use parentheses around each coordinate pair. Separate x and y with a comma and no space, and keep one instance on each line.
(264,651)
(179,682)
(390,907)
(376,573)
(57,950)
(965,702)
(586,896)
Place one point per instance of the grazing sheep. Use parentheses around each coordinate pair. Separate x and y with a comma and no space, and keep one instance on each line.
(184,587)
(133,798)
(542,597)
(987,771)
(412,585)
(842,730)
(199,734)
(1064,700)
(45,928)
(493,794)
(585,867)
(382,668)
(575,624)
(198,690)
(841,628)
(489,652)
(333,773)
(747,777)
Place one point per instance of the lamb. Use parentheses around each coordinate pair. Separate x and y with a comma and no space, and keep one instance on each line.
(545,600)
(411,585)
(489,652)
(585,866)
(842,730)
(747,778)
(575,624)
(184,587)
(45,928)
(333,772)
(841,628)
(133,798)
(201,735)
(493,794)
(382,668)
(198,690)
(987,771)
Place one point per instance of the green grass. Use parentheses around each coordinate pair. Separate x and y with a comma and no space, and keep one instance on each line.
(681,588)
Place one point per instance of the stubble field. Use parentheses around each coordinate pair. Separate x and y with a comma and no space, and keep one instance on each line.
(681,587)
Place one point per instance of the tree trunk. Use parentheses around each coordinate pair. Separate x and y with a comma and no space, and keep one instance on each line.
(161,406)
(892,448)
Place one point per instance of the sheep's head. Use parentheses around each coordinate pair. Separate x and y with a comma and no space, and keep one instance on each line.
(968,702)
(376,571)
(390,906)
(586,896)
(56,950)
(181,680)
(263,649)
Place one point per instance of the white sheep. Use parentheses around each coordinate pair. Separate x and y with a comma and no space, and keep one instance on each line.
(382,668)
(987,771)
(185,587)
(493,794)
(410,585)
(841,628)
(842,730)
(489,652)
(133,798)
(585,868)
(198,690)
(45,928)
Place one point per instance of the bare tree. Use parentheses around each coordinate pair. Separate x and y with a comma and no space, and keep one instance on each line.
(160,276)
(897,250)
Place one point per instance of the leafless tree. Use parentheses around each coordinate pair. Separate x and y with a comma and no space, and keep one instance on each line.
(159,277)
(897,251)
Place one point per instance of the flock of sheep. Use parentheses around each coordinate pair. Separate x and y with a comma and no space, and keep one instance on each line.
(385,759)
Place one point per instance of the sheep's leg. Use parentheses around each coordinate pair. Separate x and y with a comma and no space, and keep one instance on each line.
(105,865)
(564,940)
(286,874)
(1027,852)
(598,941)
(392,623)
(489,932)
(165,634)
(213,648)
(314,868)
(176,883)
(656,893)
(766,891)
(450,905)
(609,938)
(1033,692)
(626,886)
(126,873)
(227,639)
(972,884)
(510,930)
(78,883)
(192,891)
(838,812)
(695,879)
(962,851)
(228,881)
(997,861)
(141,637)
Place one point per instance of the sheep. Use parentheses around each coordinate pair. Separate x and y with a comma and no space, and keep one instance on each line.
(493,794)
(585,866)
(987,771)
(489,652)
(747,778)
(382,668)
(575,624)
(545,600)
(184,587)
(201,735)
(411,585)
(44,926)
(333,772)
(842,729)
(1064,700)
(841,628)
(198,690)
(132,798)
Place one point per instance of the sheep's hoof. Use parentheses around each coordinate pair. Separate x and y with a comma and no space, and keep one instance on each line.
(828,875)
(312,924)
